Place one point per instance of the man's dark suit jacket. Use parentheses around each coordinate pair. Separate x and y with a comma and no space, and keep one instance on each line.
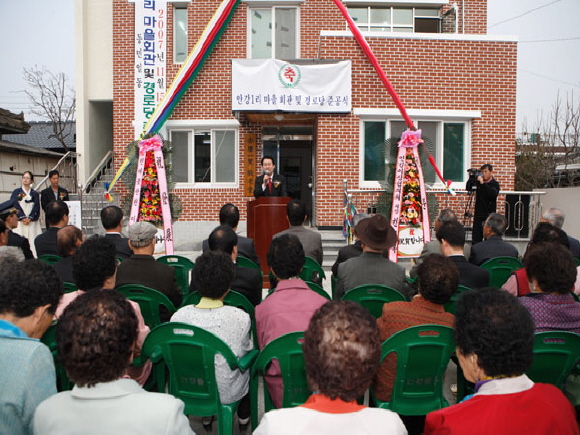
(245,248)
(121,243)
(470,275)
(47,196)
(144,270)
(247,281)
(20,242)
(276,191)
(574,246)
(45,243)
(493,247)
(350,251)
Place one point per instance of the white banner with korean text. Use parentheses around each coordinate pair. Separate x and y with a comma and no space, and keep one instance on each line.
(271,84)
(150,53)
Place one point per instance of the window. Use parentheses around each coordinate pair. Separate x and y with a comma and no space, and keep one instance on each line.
(391,19)
(447,143)
(274,32)
(205,156)
(179,34)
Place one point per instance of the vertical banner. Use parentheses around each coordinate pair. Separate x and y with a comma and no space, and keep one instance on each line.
(250,163)
(150,57)
(409,213)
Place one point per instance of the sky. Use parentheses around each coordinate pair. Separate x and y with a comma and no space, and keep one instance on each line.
(41,32)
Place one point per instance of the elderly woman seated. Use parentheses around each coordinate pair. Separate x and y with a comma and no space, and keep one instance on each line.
(437,278)
(213,274)
(342,353)
(552,274)
(495,337)
(29,295)
(95,337)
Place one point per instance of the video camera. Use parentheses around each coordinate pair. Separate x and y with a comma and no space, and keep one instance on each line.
(472,182)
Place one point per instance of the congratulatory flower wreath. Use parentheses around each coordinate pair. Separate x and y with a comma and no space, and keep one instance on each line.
(150,199)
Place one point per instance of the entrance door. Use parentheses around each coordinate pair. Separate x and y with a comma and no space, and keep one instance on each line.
(291,148)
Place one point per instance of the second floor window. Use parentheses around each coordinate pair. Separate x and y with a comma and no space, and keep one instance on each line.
(179,34)
(391,19)
(274,32)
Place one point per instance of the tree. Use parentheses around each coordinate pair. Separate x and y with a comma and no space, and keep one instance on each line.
(52,99)
(555,142)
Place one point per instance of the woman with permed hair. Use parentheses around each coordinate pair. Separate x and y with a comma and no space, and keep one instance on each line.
(213,274)
(552,273)
(437,279)
(342,351)
(95,337)
(494,335)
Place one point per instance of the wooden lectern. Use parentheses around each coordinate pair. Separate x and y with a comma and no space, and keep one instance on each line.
(266,217)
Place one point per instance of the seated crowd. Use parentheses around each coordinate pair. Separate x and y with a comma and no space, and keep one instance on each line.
(100,333)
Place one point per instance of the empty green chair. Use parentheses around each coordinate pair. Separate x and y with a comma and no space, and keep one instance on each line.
(312,271)
(150,301)
(49,338)
(182,267)
(500,269)
(318,289)
(373,297)
(555,355)
(423,353)
(287,350)
(50,258)
(183,365)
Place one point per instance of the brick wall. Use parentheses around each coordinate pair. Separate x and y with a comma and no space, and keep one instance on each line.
(427,74)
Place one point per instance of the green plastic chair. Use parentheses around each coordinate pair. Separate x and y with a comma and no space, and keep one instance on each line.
(187,353)
(150,301)
(423,353)
(287,350)
(69,287)
(452,304)
(182,267)
(555,355)
(50,258)
(373,297)
(246,262)
(577,261)
(232,299)
(311,266)
(318,289)
(500,269)
(63,383)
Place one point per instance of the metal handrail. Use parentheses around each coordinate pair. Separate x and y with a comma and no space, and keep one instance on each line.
(98,169)
(68,155)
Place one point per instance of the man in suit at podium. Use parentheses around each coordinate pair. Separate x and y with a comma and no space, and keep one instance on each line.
(269,183)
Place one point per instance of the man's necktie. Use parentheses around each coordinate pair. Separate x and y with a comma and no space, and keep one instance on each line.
(270,185)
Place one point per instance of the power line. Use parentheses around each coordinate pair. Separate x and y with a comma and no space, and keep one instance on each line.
(522,14)
(550,78)
(573,38)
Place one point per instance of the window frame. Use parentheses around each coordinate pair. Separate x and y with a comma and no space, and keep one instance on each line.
(176,7)
(460,117)
(389,28)
(202,126)
(252,5)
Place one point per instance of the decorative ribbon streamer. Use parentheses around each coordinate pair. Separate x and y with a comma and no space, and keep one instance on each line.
(109,186)
(364,45)
(192,65)
(153,144)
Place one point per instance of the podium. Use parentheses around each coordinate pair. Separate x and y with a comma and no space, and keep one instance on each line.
(266,217)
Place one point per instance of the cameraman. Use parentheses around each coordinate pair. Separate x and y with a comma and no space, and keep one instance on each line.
(485,201)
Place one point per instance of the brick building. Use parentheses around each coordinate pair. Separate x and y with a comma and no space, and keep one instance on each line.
(457,83)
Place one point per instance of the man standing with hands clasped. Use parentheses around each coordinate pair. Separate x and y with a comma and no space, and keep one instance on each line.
(485,201)
(269,184)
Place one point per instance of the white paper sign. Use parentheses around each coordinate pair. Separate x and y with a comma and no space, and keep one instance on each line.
(271,84)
